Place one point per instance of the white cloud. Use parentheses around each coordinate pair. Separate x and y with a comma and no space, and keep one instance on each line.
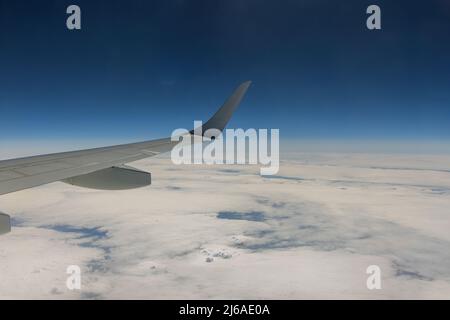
(226,232)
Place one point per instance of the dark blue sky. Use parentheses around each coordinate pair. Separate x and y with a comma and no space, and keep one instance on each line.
(139,69)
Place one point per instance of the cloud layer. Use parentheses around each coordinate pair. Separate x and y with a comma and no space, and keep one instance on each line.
(226,232)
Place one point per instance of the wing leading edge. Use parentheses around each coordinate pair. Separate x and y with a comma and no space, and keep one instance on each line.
(23,173)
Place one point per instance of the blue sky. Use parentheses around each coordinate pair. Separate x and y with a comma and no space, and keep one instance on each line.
(139,69)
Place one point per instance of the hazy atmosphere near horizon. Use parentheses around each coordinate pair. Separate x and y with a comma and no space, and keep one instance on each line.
(364,173)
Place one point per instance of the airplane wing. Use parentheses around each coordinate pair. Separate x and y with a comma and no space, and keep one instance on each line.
(101,168)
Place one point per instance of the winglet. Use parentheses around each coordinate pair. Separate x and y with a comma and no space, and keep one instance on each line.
(220,119)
